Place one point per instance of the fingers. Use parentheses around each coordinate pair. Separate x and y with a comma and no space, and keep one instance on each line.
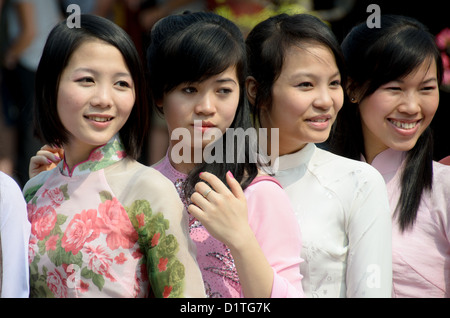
(235,187)
(52,153)
(46,159)
(216,184)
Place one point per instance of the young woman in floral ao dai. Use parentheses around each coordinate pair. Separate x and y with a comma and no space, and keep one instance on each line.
(102,225)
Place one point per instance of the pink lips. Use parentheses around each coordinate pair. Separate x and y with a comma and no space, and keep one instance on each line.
(319,122)
(205,125)
(405,127)
(99,120)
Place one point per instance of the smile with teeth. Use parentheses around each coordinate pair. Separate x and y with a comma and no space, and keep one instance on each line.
(403,125)
(99,119)
(322,120)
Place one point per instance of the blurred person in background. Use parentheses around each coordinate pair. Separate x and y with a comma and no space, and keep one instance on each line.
(27,24)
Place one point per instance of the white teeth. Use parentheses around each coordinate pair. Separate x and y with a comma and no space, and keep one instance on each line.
(99,119)
(403,125)
(319,120)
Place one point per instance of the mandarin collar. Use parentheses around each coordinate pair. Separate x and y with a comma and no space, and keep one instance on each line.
(388,162)
(296,159)
(99,158)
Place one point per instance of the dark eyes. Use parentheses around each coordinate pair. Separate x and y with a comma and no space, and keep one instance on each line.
(190,90)
(309,84)
(88,80)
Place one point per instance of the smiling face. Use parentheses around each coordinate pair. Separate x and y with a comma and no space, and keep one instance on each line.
(398,112)
(306,97)
(95,98)
(211,103)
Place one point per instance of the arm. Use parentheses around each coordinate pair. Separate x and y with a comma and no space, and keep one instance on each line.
(277,230)
(15,232)
(158,216)
(224,214)
(25,13)
(369,267)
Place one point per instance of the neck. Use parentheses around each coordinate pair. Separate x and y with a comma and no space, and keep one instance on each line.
(183,167)
(372,152)
(74,154)
(284,144)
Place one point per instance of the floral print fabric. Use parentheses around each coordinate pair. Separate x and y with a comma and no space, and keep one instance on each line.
(86,243)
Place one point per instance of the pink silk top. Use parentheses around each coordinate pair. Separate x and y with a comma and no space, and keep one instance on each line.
(273,222)
(421,255)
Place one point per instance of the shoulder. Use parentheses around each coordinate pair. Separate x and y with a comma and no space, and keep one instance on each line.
(441,178)
(9,189)
(264,183)
(8,183)
(35,183)
(264,192)
(137,181)
(336,167)
(148,176)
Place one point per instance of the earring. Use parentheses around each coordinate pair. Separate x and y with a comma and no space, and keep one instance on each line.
(353,99)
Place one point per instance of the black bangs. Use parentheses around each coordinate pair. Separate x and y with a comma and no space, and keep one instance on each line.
(392,53)
(191,48)
(209,52)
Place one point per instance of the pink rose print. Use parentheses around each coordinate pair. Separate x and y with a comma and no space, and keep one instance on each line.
(141,219)
(167,291)
(32,248)
(121,259)
(162,266)
(116,225)
(42,221)
(121,154)
(155,239)
(84,287)
(96,156)
(55,195)
(51,243)
(81,229)
(57,283)
(99,261)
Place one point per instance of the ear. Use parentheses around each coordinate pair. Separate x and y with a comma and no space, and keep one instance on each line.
(251,89)
(352,91)
(159,102)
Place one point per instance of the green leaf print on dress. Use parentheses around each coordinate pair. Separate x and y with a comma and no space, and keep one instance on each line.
(166,271)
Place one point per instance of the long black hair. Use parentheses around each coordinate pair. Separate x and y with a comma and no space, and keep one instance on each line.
(193,47)
(376,56)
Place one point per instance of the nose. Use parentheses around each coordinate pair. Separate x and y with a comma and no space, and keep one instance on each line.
(205,105)
(102,97)
(323,99)
(410,104)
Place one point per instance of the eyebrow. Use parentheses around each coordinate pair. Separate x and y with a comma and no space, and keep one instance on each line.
(89,70)
(225,80)
(306,74)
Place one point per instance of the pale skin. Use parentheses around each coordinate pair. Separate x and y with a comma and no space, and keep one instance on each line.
(306,97)
(94,102)
(398,112)
(222,211)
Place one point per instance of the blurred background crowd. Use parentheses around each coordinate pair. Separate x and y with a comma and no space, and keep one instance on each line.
(25,24)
